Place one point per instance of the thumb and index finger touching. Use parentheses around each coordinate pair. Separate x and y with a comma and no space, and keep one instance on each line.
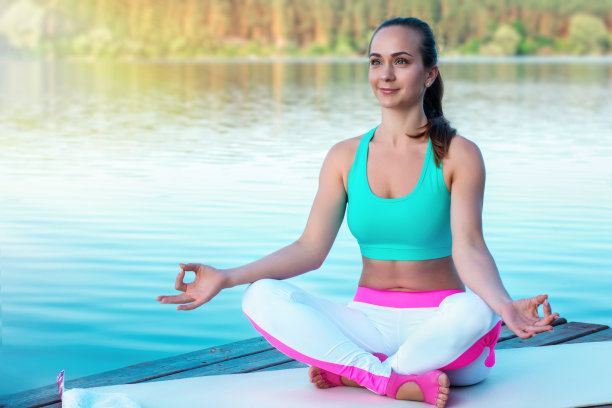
(541,324)
(180,285)
(549,316)
(195,267)
(533,323)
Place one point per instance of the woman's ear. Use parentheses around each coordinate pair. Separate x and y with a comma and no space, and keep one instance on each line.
(431,76)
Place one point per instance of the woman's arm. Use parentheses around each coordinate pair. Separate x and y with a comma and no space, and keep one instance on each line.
(472,258)
(305,254)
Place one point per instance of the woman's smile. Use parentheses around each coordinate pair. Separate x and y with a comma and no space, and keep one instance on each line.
(388,91)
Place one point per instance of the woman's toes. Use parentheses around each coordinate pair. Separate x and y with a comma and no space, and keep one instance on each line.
(315,377)
(444,390)
(314,373)
(443,380)
(311,372)
(444,383)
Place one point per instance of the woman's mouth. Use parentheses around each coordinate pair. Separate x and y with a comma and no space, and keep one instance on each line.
(388,91)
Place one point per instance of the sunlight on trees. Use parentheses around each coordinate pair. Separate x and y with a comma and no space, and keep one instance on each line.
(588,35)
(505,42)
(136,29)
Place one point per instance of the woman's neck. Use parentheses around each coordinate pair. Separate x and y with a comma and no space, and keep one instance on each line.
(396,124)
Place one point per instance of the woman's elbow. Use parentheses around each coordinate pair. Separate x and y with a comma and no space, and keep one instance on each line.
(315,254)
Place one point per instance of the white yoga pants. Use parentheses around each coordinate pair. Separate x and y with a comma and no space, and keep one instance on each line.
(378,332)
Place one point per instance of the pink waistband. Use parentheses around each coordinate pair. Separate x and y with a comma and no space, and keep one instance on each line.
(400,299)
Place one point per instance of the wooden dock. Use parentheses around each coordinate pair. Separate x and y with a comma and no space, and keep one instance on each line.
(257,354)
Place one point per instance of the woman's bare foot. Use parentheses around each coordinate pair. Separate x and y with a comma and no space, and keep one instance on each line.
(411,391)
(324,379)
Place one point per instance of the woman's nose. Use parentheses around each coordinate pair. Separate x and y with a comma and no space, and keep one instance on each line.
(387,74)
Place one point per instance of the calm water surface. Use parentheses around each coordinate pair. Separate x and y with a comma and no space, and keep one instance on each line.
(111,174)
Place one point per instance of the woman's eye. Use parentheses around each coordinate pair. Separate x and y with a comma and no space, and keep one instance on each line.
(401,61)
(374,62)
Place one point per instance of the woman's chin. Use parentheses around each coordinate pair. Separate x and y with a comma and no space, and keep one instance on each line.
(392,105)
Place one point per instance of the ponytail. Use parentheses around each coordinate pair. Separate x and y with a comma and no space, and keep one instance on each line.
(438,129)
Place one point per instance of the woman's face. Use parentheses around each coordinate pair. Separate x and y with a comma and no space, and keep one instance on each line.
(397,75)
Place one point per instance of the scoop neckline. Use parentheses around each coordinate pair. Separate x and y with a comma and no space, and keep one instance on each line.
(416,187)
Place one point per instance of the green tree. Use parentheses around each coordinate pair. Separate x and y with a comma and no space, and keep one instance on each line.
(192,28)
(22,24)
(505,41)
(588,35)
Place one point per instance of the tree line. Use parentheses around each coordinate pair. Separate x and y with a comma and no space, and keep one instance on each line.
(198,28)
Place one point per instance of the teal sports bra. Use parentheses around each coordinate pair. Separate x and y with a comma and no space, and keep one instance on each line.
(414,227)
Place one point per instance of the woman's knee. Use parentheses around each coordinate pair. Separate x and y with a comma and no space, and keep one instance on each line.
(263,294)
(470,312)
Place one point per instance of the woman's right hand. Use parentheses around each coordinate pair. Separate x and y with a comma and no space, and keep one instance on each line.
(208,282)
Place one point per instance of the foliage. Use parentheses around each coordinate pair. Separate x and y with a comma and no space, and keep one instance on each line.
(196,28)
(505,42)
(470,47)
(588,35)
(19,25)
(538,45)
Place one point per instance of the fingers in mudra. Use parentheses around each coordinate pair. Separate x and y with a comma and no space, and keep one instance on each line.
(180,285)
(208,282)
(523,317)
(549,316)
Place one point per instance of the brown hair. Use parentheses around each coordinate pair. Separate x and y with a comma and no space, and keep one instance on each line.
(438,129)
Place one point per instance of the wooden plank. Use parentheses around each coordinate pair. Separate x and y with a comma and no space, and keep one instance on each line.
(53,405)
(561,334)
(142,372)
(246,364)
(506,334)
(285,366)
(603,335)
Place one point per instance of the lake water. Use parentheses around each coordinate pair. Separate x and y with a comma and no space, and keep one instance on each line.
(112,173)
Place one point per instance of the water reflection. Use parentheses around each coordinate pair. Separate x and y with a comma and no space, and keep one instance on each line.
(114,172)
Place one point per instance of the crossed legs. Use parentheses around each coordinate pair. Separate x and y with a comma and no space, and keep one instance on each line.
(343,340)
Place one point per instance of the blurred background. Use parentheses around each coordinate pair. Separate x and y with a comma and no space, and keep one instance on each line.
(134,29)
(137,134)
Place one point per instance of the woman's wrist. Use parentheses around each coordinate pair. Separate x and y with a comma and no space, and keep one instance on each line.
(501,306)
(230,278)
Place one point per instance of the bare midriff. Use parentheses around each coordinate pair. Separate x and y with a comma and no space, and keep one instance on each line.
(410,276)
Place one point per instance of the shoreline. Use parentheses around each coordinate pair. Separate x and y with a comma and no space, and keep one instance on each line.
(324,59)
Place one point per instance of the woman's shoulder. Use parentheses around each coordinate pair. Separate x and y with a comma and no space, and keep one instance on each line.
(464,162)
(344,151)
(462,151)
(340,157)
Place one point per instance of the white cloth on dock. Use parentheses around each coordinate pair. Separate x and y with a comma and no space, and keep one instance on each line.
(551,376)
(86,398)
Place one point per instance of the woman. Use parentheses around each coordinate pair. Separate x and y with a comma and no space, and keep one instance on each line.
(413,192)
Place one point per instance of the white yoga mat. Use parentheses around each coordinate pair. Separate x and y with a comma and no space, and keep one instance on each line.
(565,375)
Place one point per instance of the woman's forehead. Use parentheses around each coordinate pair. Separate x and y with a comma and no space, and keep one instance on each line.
(393,39)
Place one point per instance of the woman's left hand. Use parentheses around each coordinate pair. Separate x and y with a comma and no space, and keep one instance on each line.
(522,318)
